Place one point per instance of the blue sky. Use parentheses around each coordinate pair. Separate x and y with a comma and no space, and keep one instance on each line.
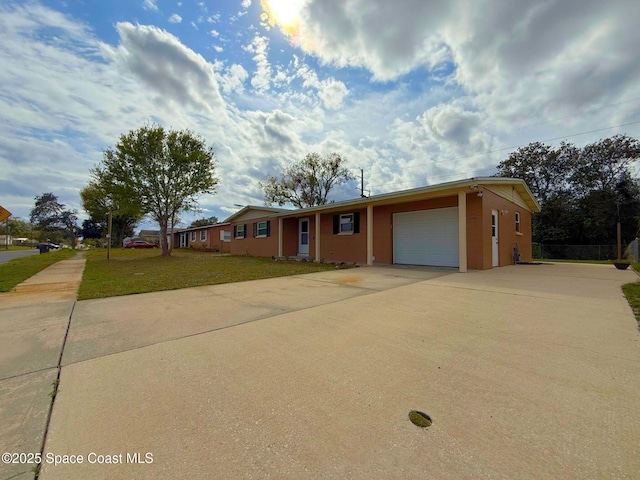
(413,92)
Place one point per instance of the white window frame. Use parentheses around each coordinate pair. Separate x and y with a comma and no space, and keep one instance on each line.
(518,222)
(351,221)
(225,236)
(264,229)
(193,236)
(203,235)
(240,234)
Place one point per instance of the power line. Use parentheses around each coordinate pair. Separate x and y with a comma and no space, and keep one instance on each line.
(580,113)
(518,146)
(500,150)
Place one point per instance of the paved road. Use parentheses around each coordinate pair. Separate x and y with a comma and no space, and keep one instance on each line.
(6,255)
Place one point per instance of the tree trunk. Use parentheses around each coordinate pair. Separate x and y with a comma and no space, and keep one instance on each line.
(166,251)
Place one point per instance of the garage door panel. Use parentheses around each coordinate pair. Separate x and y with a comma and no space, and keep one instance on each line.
(426,237)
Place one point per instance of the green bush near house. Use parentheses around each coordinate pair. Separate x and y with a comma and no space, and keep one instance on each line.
(19,269)
(142,271)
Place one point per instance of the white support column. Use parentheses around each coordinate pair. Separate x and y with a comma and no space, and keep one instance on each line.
(317,240)
(369,235)
(462,231)
(280,233)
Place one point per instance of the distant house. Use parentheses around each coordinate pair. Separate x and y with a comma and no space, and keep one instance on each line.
(6,240)
(477,223)
(151,236)
(210,238)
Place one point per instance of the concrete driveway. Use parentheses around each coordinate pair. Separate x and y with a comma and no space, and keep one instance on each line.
(527,372)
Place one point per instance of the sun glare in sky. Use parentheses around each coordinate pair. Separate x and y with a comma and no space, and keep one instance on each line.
(284,13)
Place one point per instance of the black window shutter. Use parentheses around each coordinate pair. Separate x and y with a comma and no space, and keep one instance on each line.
(356,222)
(255,230)
(268,227)
(336,224)
(244,234)
(235,231)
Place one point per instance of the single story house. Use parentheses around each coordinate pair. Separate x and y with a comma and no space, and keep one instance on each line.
(477,223)
(211,238)
(151,236)
(6,240)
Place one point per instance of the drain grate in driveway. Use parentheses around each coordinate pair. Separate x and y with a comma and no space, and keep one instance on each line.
(420,419)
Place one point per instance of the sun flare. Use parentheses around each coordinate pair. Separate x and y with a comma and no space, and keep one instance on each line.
(284,13)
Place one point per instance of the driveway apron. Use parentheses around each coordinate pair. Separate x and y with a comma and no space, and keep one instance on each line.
(526,371)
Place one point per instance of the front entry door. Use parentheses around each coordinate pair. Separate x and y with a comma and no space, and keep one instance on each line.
(495,257)
(303,238)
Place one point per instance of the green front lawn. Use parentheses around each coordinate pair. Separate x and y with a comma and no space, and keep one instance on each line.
(19,269)
(605,262)
(632,292)
(141,271)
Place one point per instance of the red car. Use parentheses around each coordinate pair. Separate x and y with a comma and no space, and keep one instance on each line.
(139,244)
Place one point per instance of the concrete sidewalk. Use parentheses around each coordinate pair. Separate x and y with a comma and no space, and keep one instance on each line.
(527,372)
(34,320)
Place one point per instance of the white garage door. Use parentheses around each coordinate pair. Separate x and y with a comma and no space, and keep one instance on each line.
(426,237)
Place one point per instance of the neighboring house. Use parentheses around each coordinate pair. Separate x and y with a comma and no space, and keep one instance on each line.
(151,236)
(6,240)
(469,224)
(212,238)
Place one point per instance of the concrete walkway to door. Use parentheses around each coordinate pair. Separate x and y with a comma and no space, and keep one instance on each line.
(527,371)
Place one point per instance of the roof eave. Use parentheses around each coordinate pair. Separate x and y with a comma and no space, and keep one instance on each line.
(434,189)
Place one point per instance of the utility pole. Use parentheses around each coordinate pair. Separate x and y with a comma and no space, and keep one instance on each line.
(109,237)
(362,183)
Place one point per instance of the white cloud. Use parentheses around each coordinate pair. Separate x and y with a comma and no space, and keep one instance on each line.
(331,91)
(161,61)
(214,33)
(246,4)
(150,5)
(234,78)
(515,58)
(175,18)
(259,46)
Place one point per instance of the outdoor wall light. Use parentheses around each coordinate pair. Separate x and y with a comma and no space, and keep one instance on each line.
(480,193)
(473,187)
(504,212)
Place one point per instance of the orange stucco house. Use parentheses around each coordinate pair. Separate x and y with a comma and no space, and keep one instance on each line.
(478,223)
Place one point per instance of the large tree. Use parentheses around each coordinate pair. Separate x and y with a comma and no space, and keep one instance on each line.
(164,171)
(203,222)
(125,212)
(307,183)
(602,165)
(92,229)
(52,219)
(17,228)
(545,170)
(583,192)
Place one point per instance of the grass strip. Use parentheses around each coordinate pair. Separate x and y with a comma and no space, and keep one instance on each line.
(597,262)
(19,269)
(141,271)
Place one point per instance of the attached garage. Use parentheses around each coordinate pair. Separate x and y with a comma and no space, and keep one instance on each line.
(426,237)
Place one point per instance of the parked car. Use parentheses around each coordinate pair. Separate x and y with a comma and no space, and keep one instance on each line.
(139,244)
